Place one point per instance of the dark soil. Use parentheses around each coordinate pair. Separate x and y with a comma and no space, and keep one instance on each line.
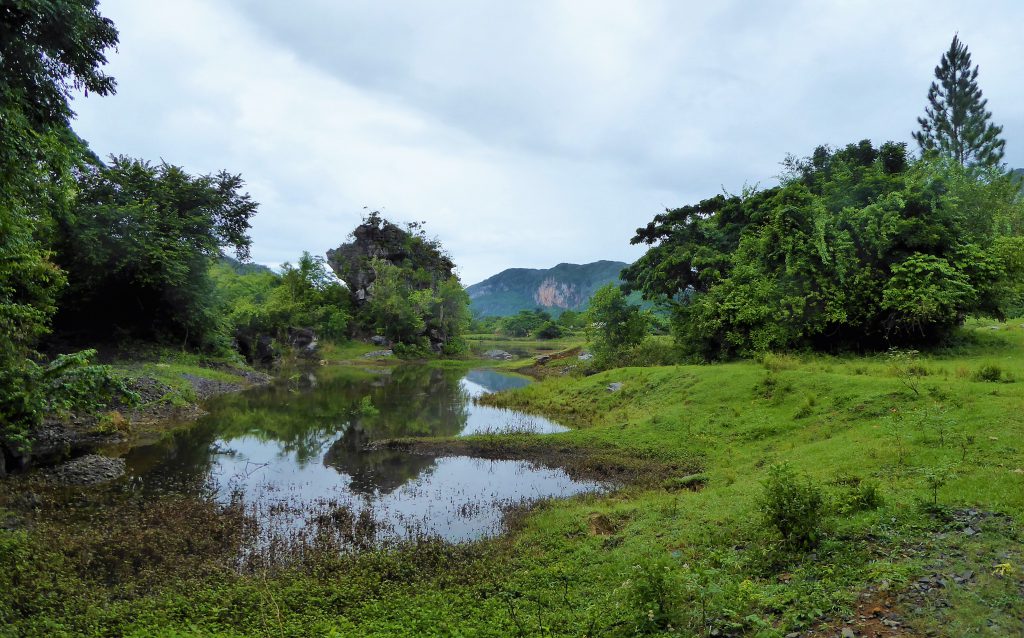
(605,465)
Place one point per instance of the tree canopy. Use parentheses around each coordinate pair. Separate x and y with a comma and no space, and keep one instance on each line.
(137,246)
(857,248)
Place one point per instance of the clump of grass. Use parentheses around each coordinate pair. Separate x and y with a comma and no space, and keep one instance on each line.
(771,388)
(863,496)
(775,362)
(691,482)
(991,373)
(806,408)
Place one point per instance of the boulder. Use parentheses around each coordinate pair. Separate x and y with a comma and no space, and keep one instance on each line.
(379,340)
(378,354)
(498,355)
(304,341)
(541,359)
(90,469)
(614,387)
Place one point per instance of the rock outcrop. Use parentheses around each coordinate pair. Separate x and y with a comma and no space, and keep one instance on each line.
(377,238)
(421,262)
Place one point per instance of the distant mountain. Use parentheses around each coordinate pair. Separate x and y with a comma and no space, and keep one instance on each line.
(244,268)
(564,287)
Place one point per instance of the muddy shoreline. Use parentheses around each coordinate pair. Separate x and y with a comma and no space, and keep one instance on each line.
(66,451)
(580,463)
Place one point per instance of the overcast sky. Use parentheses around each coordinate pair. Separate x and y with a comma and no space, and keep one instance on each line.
(524,133)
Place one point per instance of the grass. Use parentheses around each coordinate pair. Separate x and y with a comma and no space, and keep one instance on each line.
(937,434)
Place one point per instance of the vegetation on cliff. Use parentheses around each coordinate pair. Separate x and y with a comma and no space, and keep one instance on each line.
(402,286)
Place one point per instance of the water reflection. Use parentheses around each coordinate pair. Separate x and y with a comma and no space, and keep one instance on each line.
(299,446)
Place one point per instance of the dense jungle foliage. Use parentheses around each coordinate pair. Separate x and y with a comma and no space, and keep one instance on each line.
(858,248)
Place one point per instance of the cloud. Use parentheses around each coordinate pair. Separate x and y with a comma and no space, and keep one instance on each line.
(528,133)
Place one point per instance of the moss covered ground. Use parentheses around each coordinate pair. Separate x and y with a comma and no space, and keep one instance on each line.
(919,459)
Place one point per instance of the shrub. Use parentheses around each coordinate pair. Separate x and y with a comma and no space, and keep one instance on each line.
(864,496)
(792,505)
(549,330)
(806,408)
(988,372)
(70,383)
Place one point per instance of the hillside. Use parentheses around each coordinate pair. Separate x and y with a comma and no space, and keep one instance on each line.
(564,287)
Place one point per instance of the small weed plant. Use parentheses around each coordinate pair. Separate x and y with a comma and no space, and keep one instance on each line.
(792,505)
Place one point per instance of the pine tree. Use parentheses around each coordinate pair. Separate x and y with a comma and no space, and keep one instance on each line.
(956,123)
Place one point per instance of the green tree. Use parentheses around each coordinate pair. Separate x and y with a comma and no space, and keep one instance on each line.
(956,122)
(615,325)
(48,50)
(137,247)
(309,296)
(402,286)
(857,248)
(524,322)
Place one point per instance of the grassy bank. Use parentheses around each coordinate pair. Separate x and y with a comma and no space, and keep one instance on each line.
(918,459)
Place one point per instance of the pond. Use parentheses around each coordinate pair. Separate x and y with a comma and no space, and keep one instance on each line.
(295,453)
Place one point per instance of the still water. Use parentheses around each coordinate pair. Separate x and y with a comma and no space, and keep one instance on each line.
(295,452)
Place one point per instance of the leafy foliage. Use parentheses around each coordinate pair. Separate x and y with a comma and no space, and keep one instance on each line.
(615,325)
(792,505)
(258,303)
(858,248)
(70,383)
(137,248)
(47,51)
(524,322)
(402,286)
(956,122)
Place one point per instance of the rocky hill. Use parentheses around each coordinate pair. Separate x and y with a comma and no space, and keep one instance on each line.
(564,287)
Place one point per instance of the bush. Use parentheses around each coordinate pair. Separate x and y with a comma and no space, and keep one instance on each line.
(792,505)
(864,496)
(549,330)
(988,372)
(70,383)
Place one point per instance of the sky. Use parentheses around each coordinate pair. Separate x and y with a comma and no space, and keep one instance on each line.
(526,133)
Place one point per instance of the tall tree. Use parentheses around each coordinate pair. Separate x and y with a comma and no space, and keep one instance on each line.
(137,247)
(48,50)
(956,123)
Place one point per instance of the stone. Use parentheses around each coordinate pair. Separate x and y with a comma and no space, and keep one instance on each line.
(378,239)
(379,340)
(378,354)
(498,355)
(586,356)
(848,633)
(541,359)
(91,469)
(614,387)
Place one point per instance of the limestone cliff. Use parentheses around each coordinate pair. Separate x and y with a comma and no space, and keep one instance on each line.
(564,287)
(377,238)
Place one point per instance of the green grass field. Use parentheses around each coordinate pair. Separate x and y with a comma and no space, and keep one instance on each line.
(937,436)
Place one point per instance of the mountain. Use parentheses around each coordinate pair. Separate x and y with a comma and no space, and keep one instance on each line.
(564,287)
(244,268)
